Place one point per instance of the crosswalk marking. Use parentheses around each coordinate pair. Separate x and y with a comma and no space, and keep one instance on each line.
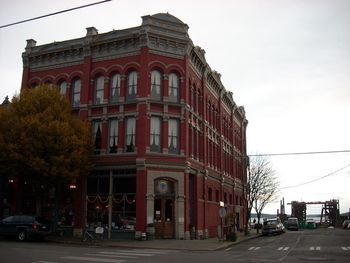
(345,248)
(128,254)
(105,260)
(254,248)
(315,248)
(109,255)
(117,256)
(283,248)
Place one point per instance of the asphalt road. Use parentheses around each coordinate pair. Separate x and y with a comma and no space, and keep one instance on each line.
(320,245)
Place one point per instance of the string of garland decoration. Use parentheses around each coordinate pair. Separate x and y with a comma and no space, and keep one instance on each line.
(93,198)
(124,199)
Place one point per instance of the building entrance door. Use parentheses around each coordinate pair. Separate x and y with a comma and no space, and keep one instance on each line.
(164,208)
(164,217)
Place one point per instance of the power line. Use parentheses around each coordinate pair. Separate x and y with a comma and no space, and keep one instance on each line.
(297,153)
(55,13)
(317,179)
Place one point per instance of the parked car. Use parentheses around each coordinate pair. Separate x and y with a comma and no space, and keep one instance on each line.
(25,227)
(346,224)
(272,226)
(293,223)
(311,223)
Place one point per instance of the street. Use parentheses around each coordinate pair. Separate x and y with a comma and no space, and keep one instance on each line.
(320,245)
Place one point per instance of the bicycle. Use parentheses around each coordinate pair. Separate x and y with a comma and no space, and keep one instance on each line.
(92,234)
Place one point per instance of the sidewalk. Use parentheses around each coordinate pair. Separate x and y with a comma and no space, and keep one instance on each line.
(210,244)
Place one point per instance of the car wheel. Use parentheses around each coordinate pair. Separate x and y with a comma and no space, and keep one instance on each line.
(22,235)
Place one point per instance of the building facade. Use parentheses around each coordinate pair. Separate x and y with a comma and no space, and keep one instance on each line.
(168,136)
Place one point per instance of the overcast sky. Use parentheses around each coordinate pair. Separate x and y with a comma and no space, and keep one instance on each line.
(286,62)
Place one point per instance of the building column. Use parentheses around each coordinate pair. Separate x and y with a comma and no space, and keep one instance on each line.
(141,195)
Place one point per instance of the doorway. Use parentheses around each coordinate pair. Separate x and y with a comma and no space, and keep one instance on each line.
(164,209)
(164,217)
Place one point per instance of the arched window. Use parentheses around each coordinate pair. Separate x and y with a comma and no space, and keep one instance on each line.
(63,88)
(132,86)
(174,90)
(34,85)
(156,84)
(76,92)
(115,88)
(99,90)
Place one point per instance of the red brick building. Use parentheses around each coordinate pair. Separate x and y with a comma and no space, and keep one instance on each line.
(167,133)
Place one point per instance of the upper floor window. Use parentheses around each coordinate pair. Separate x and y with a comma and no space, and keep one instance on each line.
(156,84)
(130,134)
(115,88)
(155,133)
(76,92)
(174,92)
(97,136)
(99,90)
(113,135)
(34,85)
(173,136)
(63,88)
(132,86)
(210,194)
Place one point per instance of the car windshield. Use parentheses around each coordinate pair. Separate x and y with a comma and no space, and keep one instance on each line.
(271,222)
(292,220)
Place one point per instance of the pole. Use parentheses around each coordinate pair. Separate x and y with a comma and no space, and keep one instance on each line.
(110,204)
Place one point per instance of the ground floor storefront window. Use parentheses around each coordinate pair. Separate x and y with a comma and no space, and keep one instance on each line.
(111,200)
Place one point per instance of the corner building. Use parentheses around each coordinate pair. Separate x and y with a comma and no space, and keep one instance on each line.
(167,133)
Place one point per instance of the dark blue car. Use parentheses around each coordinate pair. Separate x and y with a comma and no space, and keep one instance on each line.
(25,227)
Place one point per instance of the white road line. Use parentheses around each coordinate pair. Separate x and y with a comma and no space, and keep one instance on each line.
(344,248)
(254,248)
(128,254)
(110,256)
(280,248)
(106,260)
(286,248)
(349,248)
(153,251)
(315,248)
(283,248)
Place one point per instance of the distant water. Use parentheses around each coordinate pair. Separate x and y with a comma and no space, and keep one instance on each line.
(316,218)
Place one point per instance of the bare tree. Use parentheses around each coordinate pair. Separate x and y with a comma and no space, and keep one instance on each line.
(262,186)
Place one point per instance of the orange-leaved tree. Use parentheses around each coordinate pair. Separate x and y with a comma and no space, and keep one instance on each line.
(41,139)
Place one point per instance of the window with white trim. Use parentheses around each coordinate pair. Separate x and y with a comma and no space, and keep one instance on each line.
(113,135)
(97,136)
(174,92)
(156,85)
(99,89)
(173,136)
(155,134)
(63,88)
(76,92)
(115,88)
(130,134)
(132,86)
